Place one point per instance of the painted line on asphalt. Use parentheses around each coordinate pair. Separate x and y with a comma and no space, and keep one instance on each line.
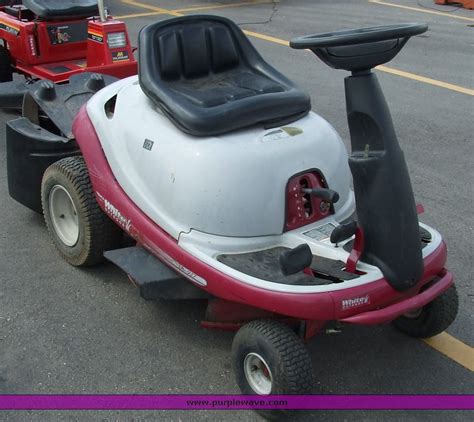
(223,6)
(424,79)
(156,9)
(417,9)
(453,348)
(137,15)
(444,343)
(386,69)
(266,37)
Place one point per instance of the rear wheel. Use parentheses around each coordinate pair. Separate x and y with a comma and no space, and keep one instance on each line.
(431,319)
(6,73)
(80,230)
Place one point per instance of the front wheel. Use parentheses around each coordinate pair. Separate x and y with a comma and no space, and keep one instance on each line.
(431,319)
(269,358)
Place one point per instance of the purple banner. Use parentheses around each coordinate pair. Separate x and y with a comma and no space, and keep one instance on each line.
(226,402)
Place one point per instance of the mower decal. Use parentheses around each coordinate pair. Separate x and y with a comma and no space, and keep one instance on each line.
(282,133)
(180,268)
(148,144)
(96,36)
(321,233)
(292,131)
(63,34)
(9,28)
(120,56)
(355,302)
(275,135)
(115,214)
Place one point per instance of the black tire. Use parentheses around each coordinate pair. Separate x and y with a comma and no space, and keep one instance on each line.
(6,73)
(96,232)
(285,355)
(433,318)
(289,367)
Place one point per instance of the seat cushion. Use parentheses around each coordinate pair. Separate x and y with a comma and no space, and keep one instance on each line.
(62,9)
(207,77)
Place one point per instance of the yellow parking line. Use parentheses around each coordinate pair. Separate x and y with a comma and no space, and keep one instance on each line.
(266,38)
(385,69)
(150,7)
(137,15)
(417,9)
(453,348)
(426,80)
(222,5)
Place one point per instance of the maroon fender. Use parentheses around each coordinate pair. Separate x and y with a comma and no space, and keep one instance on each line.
(314,306)
(391,312)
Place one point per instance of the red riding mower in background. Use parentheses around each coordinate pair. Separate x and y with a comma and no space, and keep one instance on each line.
(55,39)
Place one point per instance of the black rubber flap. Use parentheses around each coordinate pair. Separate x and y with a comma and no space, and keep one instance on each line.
(31,149)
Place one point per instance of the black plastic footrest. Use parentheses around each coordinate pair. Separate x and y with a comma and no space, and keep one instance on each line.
(155,279)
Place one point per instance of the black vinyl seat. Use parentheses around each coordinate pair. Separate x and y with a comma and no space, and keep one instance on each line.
(207,77)
(62,9)
(9,2)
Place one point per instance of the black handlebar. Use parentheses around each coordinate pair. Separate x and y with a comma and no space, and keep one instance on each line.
(359,36)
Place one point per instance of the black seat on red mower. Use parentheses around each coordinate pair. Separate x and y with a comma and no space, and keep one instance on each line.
(9,2)
(62,9)
(207,77)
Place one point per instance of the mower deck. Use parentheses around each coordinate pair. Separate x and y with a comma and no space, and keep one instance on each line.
(60,72)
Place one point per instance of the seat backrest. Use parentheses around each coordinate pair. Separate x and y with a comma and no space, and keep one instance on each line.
(62,9)
(9,2)
(193,50)
(193,46)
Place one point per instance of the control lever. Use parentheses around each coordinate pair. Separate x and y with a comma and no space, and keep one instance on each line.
(326,194)
(343,232)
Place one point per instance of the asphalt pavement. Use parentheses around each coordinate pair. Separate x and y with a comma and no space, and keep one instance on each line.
(70,330)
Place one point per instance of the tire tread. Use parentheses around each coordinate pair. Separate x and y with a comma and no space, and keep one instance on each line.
(294,356)
(436,316)
(101,233)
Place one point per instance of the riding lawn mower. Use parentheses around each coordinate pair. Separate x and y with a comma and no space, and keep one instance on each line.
(235,192)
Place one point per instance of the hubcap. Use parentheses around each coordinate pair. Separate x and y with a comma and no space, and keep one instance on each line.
(258,374)
(63,215)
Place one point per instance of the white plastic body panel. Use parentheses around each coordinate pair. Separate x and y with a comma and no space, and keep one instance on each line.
(207,248)
(232,185)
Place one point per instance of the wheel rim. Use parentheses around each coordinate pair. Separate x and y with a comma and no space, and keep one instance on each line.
(258,374)
(64,215)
